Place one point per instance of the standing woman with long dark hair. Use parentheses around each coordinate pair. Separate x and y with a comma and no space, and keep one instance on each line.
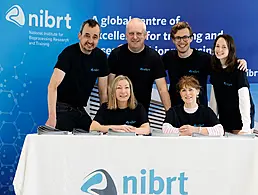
(230,94)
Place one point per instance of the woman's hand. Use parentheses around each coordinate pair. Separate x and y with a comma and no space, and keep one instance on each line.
(123,128)
(245,132)
(187,130)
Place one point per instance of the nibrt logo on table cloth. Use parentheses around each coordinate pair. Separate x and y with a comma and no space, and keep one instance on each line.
(100,182)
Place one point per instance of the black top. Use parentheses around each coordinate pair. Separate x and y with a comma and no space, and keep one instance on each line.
(135,117)
(198,64)
(226,85)
(203,117)
(142,69)
(81,71)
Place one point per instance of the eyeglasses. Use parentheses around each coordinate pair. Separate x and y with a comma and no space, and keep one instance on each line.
(185,38)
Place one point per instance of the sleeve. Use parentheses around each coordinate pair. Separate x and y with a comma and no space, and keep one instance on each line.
(143,117)
(63,61)
(242,80)
(211,79)
(164,59)
(168,128)
(104,69)
(171,118)
(244,107)
(244,100)
(209,64)
(214,127)
(216,130)
(100,116)
(213,102)
(113,62)
(211,117)
(159,70)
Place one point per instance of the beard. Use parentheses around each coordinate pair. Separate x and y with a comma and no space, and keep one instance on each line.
(86,47)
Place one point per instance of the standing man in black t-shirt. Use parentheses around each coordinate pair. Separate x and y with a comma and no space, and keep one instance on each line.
(185,61)
(141,64)
(75,73)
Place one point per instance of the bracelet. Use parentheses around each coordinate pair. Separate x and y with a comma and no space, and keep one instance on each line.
(200,129)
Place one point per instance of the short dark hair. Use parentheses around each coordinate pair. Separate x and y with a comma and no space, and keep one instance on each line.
(91,22)
(231,59)
(180,26)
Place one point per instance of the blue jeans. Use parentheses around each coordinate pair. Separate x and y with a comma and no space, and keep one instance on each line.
(70,117)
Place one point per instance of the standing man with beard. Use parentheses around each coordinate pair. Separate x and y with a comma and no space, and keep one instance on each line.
(140,63)
(185,61)
(75,73)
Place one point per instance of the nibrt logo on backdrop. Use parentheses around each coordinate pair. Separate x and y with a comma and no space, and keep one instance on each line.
(44,19)
(252,73)
(43,25)
(100,182)
(15,15)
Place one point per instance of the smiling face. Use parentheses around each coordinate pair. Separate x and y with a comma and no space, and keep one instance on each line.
(122,91)
(89,38)
(182,40)
(189,95)
(221,50)
(136,35)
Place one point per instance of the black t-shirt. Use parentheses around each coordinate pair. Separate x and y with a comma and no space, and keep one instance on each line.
(81,71)
(203,117)
(226,85)
(142,69)
(127,116)
(198,64)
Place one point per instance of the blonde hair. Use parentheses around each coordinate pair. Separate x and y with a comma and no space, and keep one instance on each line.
(112,100)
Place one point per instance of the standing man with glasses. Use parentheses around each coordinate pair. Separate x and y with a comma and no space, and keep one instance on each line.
(185,61)
(75,73)
(140,63)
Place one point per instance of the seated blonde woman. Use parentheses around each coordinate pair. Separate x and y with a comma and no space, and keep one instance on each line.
(121,113)
(191,117)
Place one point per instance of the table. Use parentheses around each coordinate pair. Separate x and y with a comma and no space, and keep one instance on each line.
(110,165)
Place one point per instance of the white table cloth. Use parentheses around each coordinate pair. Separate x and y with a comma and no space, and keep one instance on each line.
(61,165)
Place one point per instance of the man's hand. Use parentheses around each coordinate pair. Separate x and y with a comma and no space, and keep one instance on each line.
(51,121)
(242,65)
